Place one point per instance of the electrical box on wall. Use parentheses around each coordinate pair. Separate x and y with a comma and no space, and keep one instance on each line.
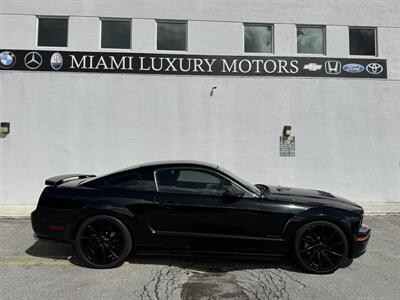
(287,144)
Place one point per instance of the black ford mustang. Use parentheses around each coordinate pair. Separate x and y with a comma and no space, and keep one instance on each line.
(191,208)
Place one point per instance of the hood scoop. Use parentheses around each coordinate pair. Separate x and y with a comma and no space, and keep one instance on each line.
(289,191)
(325,194)
(311,196)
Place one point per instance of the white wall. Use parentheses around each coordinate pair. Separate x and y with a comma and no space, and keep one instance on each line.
(347,130)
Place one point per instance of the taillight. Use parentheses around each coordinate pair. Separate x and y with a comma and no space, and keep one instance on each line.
(56,227)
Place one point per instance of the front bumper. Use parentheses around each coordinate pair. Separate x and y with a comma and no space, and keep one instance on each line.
(361,241)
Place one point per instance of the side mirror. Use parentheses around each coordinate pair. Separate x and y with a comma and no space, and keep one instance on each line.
(233,193)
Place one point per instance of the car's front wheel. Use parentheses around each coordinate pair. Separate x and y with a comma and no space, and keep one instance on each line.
(320,247)
(103,242)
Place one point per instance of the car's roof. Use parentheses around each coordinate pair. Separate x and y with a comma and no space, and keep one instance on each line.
(168,163)
(154,165)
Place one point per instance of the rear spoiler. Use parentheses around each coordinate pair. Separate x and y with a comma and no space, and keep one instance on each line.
(56,180)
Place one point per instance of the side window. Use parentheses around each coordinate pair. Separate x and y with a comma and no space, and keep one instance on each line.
(311,39)
(258,38)
(172,35)
(191,181)
(116,34)
(362,41)
(52,32)
(132,181)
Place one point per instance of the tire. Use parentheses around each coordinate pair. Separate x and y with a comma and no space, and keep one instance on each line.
(320,247)
(103,242)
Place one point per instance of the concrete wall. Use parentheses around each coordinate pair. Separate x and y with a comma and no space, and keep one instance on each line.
(347,130)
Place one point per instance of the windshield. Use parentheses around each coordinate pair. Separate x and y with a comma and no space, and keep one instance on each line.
(246,184)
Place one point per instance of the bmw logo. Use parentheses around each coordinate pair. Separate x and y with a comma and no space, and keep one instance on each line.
(56,61)
(7,59)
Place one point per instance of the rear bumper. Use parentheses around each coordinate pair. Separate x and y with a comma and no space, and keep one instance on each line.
(48,224)
(361,241)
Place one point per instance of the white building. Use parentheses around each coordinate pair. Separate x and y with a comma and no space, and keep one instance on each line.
(347,130)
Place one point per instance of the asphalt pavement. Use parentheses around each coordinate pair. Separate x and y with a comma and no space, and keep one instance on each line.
(31,269)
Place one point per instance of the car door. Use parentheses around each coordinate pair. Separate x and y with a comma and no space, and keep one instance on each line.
(135,190)
(195,214)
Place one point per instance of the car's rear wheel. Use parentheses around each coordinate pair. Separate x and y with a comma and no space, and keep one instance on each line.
(103,242)
(320,247)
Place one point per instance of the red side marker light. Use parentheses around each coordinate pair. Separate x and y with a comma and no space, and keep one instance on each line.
(56,227)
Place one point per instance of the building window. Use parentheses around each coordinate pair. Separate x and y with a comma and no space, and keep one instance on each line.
(52,32)
(258,38)
(171,35)
(311,39)
(116,34)
(362,41)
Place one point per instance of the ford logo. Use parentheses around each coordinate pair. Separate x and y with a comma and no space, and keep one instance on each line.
(353,68)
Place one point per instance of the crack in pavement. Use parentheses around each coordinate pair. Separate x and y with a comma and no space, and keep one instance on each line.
(212,286)
(211,280)
(266,283)
(165,283)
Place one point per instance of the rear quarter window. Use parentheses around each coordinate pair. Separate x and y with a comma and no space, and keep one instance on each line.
(132,181)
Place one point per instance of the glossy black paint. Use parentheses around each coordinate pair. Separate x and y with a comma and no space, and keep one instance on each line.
(164,222)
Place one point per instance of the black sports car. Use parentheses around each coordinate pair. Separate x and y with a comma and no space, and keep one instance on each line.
(186,207)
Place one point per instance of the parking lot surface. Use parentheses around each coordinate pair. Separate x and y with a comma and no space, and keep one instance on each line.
(31,269)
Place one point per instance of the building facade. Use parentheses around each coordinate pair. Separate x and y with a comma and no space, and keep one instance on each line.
(275,64)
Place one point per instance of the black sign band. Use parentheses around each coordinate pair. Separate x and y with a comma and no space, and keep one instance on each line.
(182,64)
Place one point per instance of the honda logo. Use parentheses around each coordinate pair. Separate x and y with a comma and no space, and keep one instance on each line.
(333,67)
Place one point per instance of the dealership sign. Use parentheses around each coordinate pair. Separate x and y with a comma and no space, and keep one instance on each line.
(185,64)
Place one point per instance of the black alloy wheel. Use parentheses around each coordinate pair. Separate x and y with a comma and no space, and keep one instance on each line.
(320,247)
(103,242)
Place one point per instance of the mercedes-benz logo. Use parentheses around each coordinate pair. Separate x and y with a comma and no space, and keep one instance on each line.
(33,60)
(374,68)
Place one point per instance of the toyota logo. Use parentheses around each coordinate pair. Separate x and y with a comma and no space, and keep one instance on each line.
(33,60)
(374,68)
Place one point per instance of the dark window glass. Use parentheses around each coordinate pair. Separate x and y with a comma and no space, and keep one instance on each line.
(362,41)
(133,181)
(258,38)
(171,36)
(310,39)
(191,181)
(53,32)
(116,34)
